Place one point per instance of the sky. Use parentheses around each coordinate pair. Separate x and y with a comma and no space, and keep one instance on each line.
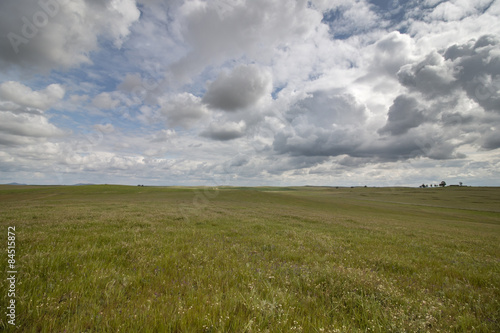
(250,92)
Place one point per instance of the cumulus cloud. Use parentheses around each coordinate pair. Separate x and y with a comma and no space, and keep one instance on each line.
(25,129)
(22,118)
(183,109)
(386,56)
(473,67)
(163,136)
(327,108)
(491,140)
(244,86)
(105,101)
(225,131)
(478,70)
(348,18)
(23,96)
(26,125)
(327,123)
(222,29)
(105,128)
(404,114)
(455,86)
(51,34)
(457,10)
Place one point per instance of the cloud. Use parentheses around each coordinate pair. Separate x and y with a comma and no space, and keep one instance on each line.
(182,109)
(50,34)
(244,86)
(404,114)
(22,129)
(131,83)
(327,123)
(27,125)
(458,90)
(104,128)
(457,10)
(163,136)
(22,118)
(432,76)
(23,96)
(325,108)
(348,18)
(225,131)
(479,71)
(491,140)
(386,56)
(140,89)
(224,29)
(473,67)
(105,101)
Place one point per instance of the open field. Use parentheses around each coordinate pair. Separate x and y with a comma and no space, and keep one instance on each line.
(303,259)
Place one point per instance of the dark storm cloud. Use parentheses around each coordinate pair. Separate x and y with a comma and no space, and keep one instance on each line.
(404,114)
(491,140)
(241,88)
(316,142)
(224,131)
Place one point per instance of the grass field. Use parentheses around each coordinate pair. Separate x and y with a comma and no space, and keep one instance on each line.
(303,259)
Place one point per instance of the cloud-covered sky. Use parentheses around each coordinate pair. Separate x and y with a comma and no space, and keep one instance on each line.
(250,92)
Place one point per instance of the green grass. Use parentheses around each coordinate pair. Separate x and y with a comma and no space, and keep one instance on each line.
(301,259)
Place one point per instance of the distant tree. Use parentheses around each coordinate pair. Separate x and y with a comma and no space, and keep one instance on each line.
(442,184)
(460,183)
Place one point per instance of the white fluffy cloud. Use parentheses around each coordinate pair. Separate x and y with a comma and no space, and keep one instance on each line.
(25,128)
(22,118)
(220,30)
(23,96)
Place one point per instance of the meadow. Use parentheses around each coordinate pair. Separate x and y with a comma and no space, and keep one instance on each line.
(106,258)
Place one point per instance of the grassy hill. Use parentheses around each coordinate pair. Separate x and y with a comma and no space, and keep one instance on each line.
(105,258)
